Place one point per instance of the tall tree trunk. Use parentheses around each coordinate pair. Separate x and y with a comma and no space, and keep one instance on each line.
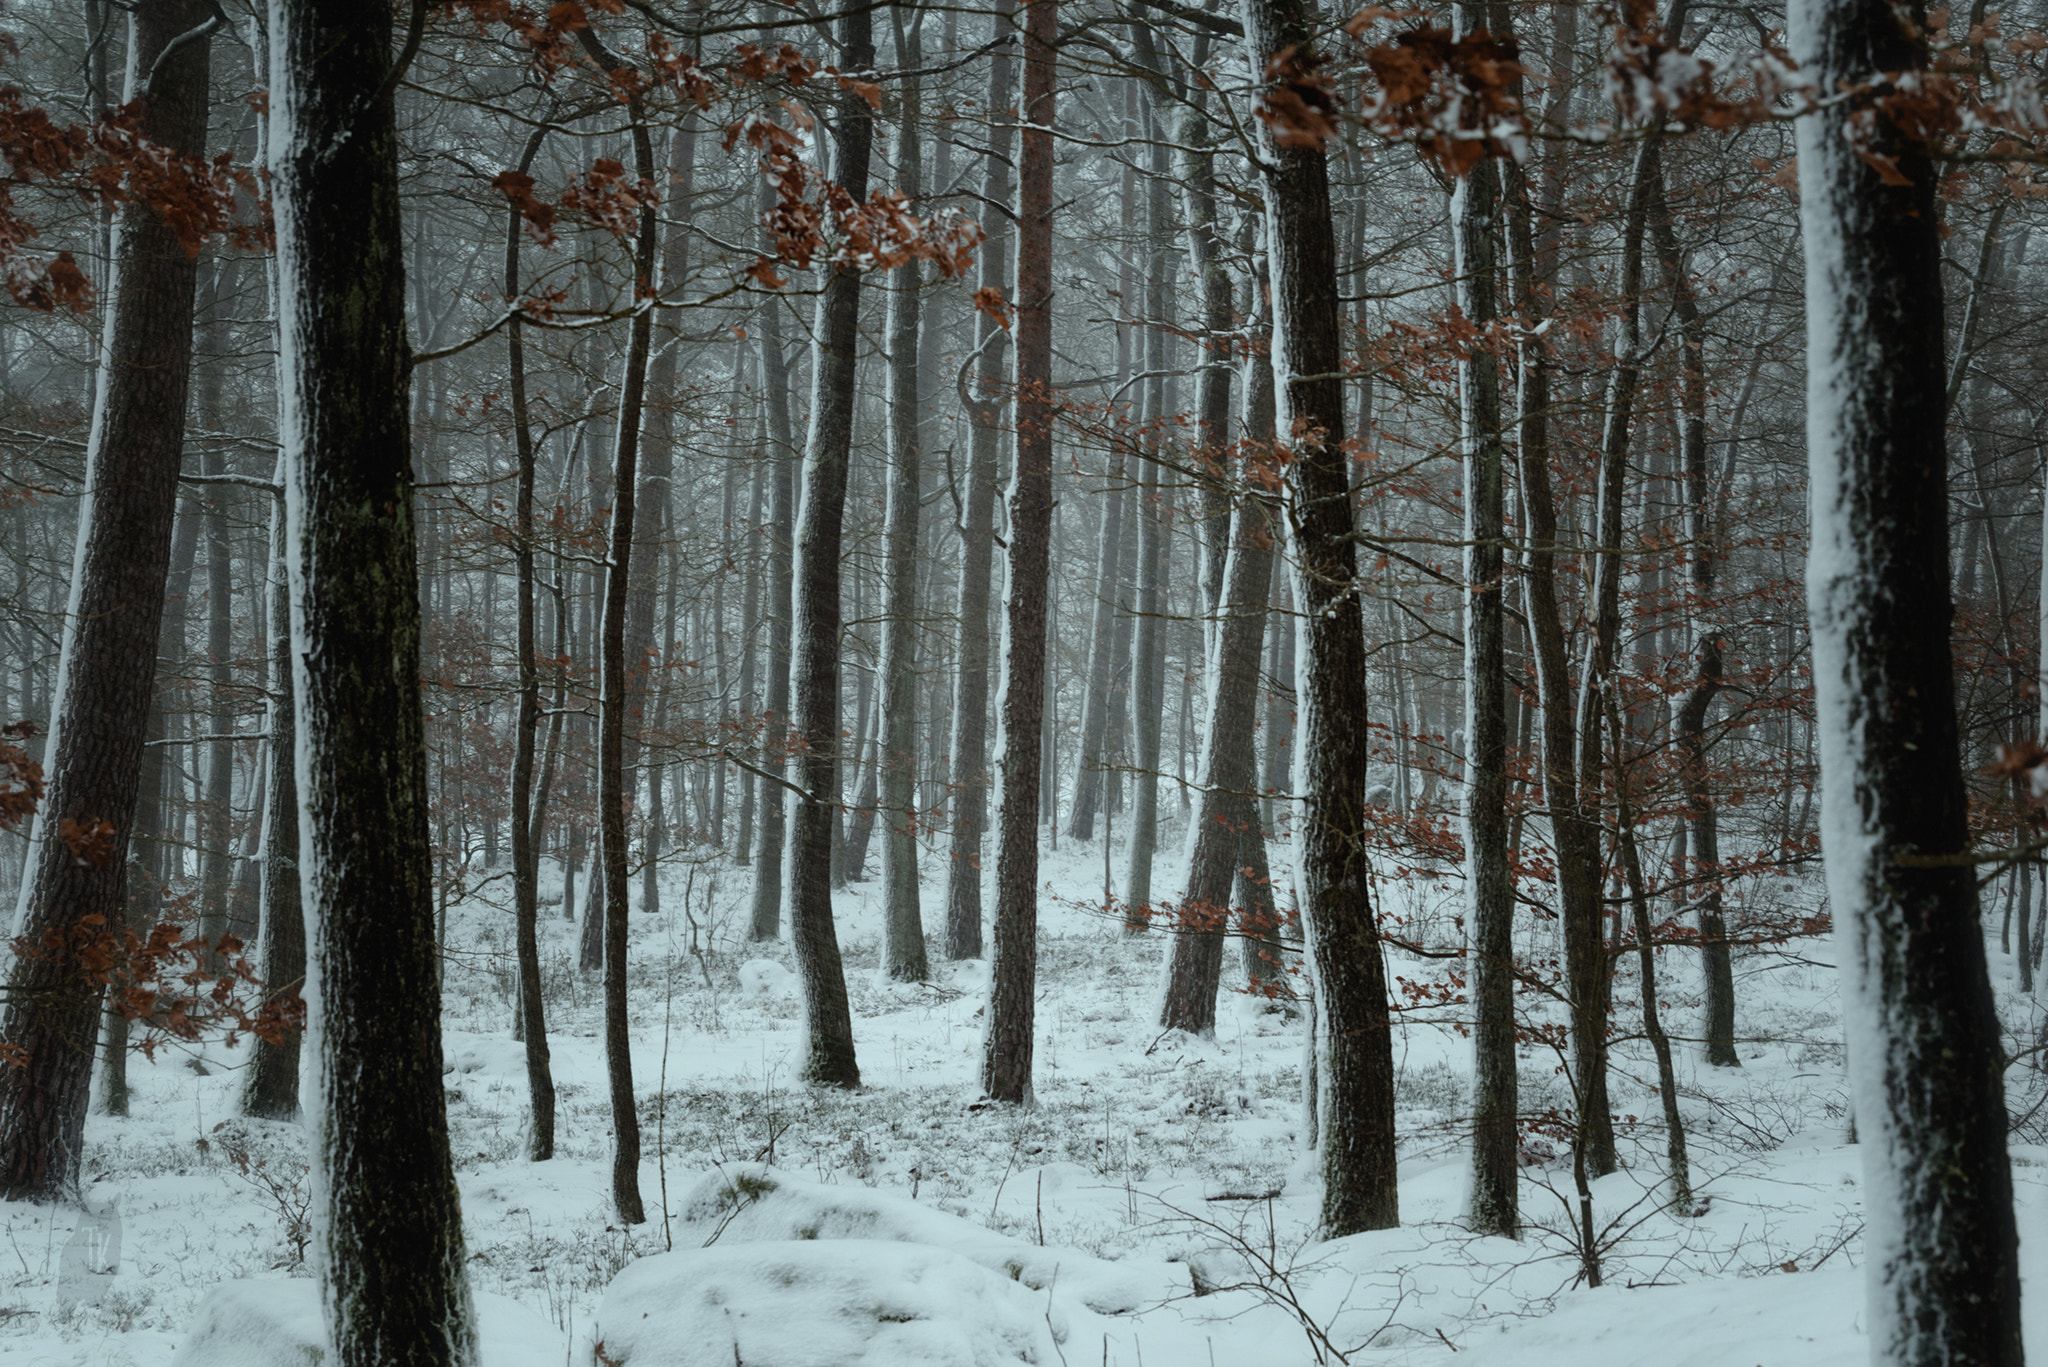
(765,922)
(814,668)
(386,1213)
(1013,968)
(107,661)
(614,794)
(1489,880)
(532,1019)
(1925,1059)
(903,950)
(1354,1037)
(984,408)
(1095,703)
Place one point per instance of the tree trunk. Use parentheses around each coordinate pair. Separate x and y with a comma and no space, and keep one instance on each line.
(1095,703)
(532,1017)
(814,670)
(1226,812)
(765,922)
(386,1213)
(1354,1036)
(1013,968)
(107,662)
(1925,1059)
(984,408)
(903,950)
(1489,880)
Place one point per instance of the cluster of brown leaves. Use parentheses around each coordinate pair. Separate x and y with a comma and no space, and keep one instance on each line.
(550,36)
(1454,97)
(91,840)
(176,986)
(1300,103)
(109,163)
(817,221)
(21,778)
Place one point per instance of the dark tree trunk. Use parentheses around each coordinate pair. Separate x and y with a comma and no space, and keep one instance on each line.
(106,670)
(903,949)
(1096,705)
(1489,881)
(532,1019)
(1013,968)
(1353,1032)
(614,795)
(985,408)
(387,1214)
(1925,1058)
(814,670)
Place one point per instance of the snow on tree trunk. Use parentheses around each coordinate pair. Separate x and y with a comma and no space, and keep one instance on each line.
(814,667)
(1354,1038)
(387,1224)
(106,668)
(1013,966)
(1924,1054)
(984,407)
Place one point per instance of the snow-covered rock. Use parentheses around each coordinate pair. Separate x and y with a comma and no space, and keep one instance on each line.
(755,1202)
(275,1322)
(842,1303)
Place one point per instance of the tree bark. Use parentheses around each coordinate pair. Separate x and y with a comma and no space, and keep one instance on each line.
(765,922)
(814,669)
(1013,968)
(386,1215)
(1925,1060)
(107,659)
(977,529)
(1354,1037)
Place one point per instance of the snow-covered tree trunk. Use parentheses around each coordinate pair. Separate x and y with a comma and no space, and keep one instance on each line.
(984,406)
(1354,1039)
(106,670)
(387,1223)
(1013,966)
(1924,1055)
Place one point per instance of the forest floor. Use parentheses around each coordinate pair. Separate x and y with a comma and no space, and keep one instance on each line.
(1156,1165)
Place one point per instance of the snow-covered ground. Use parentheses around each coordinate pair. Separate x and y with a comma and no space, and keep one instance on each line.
(1153,1208)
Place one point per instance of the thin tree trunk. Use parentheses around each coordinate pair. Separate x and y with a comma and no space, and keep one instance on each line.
(765,922)
(814,669)
(1013,968)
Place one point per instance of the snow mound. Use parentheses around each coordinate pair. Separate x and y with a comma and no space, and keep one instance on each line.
(851,1303)
(1806,1319)
(272,1322)
(754,1202)
(766,978)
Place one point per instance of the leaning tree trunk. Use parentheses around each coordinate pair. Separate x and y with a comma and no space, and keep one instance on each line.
(984,408)
(1489,881)
(814,667)
(106,667)
(387,1220)
(1354,1035)
(1013,968)
(1924,1053)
